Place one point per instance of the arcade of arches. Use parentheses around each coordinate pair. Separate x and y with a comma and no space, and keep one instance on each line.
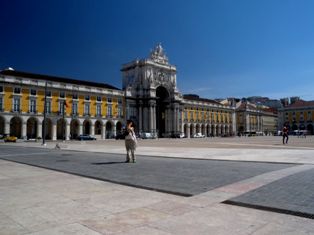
(30,127)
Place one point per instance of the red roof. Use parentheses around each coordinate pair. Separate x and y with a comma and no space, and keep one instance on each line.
(301,104)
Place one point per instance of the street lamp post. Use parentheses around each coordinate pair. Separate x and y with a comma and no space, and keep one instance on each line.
(63,121)
(44,122)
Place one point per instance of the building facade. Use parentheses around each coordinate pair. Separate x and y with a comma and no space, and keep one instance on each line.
(297,115)
(149,96)
(73,107)
(154,102)
(252,119)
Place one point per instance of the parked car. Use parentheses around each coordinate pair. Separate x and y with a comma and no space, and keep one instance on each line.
(198,135)
(177,135)
(147,135)
(9,138)
(86,137)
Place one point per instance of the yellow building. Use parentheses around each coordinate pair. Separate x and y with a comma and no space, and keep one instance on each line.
(149,97)
(208,117)
(73,107)
(298,115)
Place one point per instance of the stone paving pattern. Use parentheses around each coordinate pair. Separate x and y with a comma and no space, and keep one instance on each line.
(294,193)
(180,176)
(37,201)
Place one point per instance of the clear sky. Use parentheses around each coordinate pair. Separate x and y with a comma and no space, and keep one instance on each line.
(222,48)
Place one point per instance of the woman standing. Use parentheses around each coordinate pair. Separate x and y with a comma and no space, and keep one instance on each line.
(130,142)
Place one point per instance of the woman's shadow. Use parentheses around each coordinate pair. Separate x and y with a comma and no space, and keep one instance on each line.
(106,163)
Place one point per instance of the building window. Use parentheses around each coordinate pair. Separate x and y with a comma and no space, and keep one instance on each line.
(48,106)
(62,94)
(109,111)
(87,97)
(86,109)
(33,92)
(17,90)
(61,107)
(98,98)
(109,100)
(48,93)
(1,89)
(74,96)
(119,101)
(98,109)
(74,108)
(16,104)
(32,106)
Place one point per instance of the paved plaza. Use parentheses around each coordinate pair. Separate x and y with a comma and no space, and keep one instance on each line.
(252,185)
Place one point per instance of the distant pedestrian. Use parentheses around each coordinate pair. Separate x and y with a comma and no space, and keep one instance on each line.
(285,136)
(130,142)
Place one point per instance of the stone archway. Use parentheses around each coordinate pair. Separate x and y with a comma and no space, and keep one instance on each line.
(109,130)
(86,127)
(208,130)
(98,127)
(162,96)
(2,125)
(309,129)
(203,129)
(118,128)
(16,127)
(185,127)
(32,124)
(48,131)
(191,130)
(198,128)
(61,126)
(74,128)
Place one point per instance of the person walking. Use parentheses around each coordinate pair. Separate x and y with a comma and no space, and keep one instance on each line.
(285,136)
(130,142)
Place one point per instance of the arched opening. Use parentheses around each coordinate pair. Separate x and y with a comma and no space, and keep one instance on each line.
(191,130)
(61,125)
(208,130)
(203,129)
(212,132)
(198,128)
(2,127)
(31,128)
(226,133)
(186,133)
(162,96)
(16,127)
(48,130)
(294,127)
(118,128)
(109,131)
(86,127)
(74,129)
(240,130)
(98,127)
(309,129)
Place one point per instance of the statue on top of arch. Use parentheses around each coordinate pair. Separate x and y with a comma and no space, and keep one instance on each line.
(158,55)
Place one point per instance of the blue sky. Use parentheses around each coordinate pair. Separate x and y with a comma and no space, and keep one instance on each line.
(222,48)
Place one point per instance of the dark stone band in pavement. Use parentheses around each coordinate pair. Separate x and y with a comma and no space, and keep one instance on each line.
(184,177)
(292,195)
